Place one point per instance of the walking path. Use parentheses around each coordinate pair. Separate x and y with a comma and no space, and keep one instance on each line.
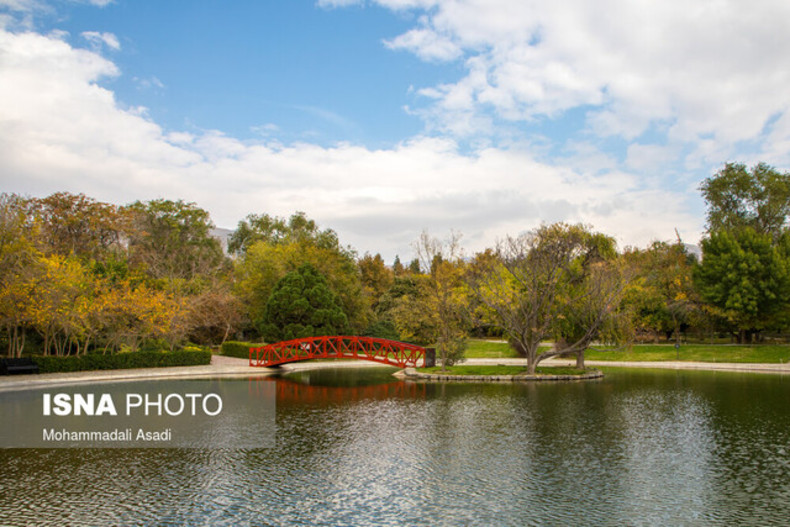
(229,367)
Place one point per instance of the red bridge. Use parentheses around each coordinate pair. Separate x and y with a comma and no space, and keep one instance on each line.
(385,351)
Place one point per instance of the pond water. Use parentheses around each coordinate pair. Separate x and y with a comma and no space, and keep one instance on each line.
(357,447)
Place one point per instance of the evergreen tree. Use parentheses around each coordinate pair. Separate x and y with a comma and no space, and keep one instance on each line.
(302,305)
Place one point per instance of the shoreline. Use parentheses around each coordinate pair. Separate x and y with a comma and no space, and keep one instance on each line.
(222,366)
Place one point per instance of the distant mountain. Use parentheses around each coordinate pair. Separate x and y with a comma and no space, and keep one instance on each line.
(222,235)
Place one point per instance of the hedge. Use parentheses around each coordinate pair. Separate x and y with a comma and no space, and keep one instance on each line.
(237,349)
(120,361)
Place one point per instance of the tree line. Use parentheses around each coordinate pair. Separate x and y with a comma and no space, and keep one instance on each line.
(81,276)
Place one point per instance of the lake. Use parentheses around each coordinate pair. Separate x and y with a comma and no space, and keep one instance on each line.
(359,447)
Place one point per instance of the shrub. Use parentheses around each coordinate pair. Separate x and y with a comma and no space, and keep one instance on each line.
(120,361)
(237,349)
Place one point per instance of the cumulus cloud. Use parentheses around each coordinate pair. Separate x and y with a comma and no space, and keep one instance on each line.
(712,69)
(60,130)
(426,44)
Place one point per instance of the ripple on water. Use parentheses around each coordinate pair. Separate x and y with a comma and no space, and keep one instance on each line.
(635,449)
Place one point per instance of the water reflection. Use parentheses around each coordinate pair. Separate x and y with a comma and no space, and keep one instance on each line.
(358,447)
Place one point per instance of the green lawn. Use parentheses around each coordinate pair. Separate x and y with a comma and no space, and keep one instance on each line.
(489,349)
(765,353)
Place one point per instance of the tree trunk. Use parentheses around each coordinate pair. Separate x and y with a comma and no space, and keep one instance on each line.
(580,360)
(523,350)
(531,367)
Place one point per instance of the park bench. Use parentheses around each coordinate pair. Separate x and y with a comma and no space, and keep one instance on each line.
(16,366)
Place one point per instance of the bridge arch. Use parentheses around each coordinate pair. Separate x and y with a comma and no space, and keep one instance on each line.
(384,351)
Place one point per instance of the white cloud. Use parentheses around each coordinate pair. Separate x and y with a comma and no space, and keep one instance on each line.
(60,130)
(21,5)
(707,69)
(426,44)
(97,39)
(642,157)
(328,4)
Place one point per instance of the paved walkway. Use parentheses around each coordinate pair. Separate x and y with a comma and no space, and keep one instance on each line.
(220,367)
(228,366)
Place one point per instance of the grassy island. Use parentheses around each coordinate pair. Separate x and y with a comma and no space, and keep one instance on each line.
(500,369)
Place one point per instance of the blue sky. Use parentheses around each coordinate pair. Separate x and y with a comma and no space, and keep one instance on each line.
(383,118)
(317,74)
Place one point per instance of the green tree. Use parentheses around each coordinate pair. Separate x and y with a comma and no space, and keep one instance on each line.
(172,240)
(302,305)
(662,292)
(266,262)
(444,300)
(397,266)
(738,197)
(376,278)
(274,230)
(746,277)
(408,306)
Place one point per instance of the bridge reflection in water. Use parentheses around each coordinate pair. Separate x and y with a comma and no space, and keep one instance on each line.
(292,392)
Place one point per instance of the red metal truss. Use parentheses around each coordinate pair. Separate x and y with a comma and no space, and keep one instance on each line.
(373,349)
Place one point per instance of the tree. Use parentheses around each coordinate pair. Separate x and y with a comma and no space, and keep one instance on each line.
(76,224)
(376,277)
(445,302)
(302,305)
(758,199)
(590,308)
(430,309)
(266,262)
(59,288)
(130,312)
(274,230)
(746,277)
(172,240)
(18,233)
(407,304)
(18,254)
(526,286)
(662,292)
(397,267)
(214,314)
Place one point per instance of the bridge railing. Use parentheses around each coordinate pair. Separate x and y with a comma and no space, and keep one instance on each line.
(374,349)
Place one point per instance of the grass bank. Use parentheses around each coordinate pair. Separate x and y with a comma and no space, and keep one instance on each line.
(759,354)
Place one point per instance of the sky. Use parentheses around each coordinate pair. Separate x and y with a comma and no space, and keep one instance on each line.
(382,119)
